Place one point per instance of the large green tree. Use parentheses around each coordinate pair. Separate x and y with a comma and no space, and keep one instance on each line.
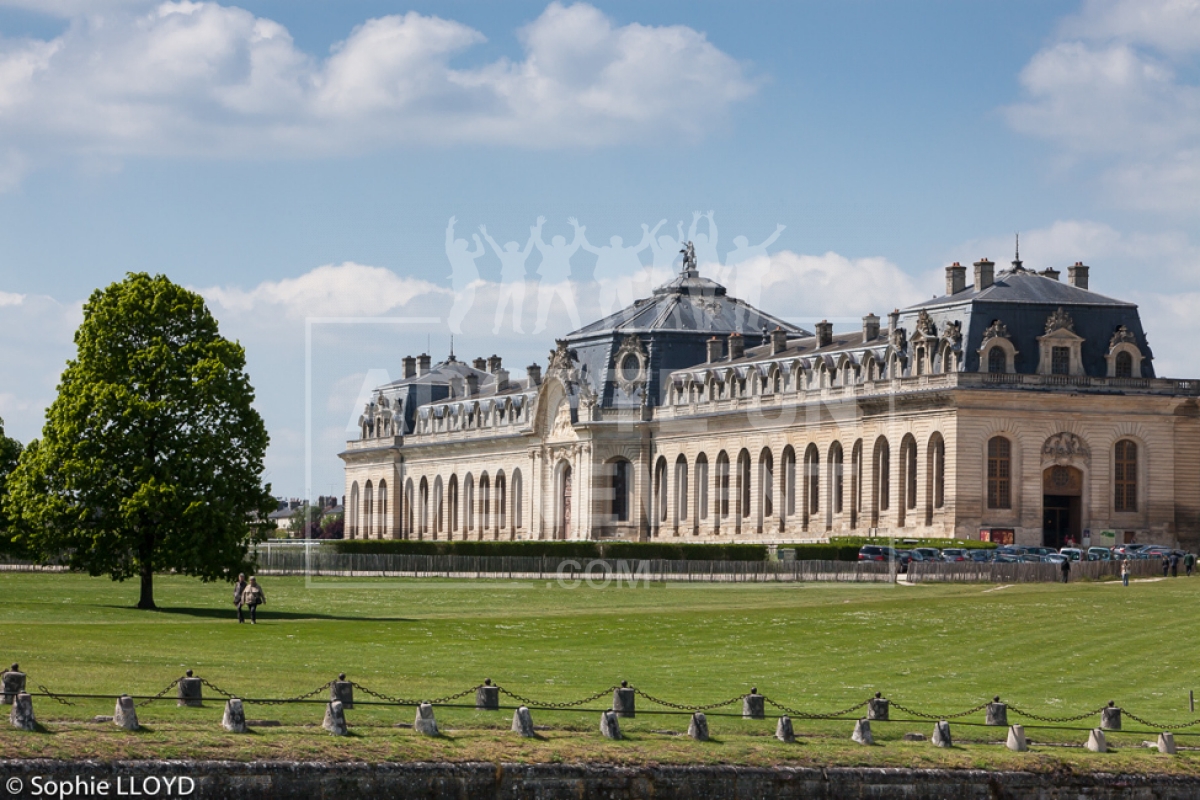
(10,454)
(151,455)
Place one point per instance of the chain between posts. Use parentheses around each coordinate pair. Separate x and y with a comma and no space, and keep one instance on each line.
(681,707)
(216,689)
(966,713)
(296,699)
(1077,718)
(53,696)
(802,715)
(527,702)
(161,694)
(1156,726)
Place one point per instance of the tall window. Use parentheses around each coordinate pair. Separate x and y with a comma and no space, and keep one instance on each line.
(766,482)
(620,491)
(997,359)
(910,475)
(812,481)
(920,360)
(1125,483)
(999,473)
(660,481)
(681,489)
(1124,365)
(501,502)
(452,506)
(722,485)
(883,474)
(516,498)
(1060,361)
(702,486)
(789,481)
(744,484)
(837,482)
(937,462)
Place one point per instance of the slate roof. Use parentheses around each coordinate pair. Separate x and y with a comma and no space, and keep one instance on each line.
(1025,286)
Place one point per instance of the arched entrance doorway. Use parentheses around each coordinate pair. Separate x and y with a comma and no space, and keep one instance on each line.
(1062,495)
(564,502)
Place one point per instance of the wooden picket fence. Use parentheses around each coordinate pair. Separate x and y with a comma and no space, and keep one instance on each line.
(987,572)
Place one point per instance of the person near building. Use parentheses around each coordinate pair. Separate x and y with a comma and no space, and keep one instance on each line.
(1066,570)
(238,589)
(1125,571)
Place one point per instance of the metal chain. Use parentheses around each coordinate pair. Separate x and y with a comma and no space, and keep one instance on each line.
(400,701)
(1156,726)
(53,696)
(526,701)
(966,713)
(160,695)
(450,697)
(1040,718)
(217,689)
(296,699)
(679,707)
(803,715)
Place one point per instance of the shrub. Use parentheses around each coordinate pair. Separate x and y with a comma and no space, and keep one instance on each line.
(824,552)
(552,549)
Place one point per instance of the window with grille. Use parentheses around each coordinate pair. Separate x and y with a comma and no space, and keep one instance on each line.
(997,360)
(1060,361)
(999,473)
(1124,366)
(1125,477)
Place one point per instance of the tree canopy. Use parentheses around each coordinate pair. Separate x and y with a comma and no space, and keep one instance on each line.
(151,455)
(10,454)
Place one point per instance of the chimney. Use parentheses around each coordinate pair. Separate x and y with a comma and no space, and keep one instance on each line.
(501,378)
(493,364)
(472,384)
(410,366)
(716,349)
(1051,273)
(871,326)
(893,321)
(737,346)
(956,278)
(985,273)
(824,333)
(1077,275)
(480,364)
(423,364)
(534,371)
(778,340)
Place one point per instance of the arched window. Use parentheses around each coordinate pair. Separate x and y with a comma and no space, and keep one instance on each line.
(910,473)
(681,489)
(856,475)
(660,488)
(935,471)
(722,485)
(621,485)
(439,507)
(837,483)
(812,483)
(485,505)
(424,510)
(882,474)
(766,483)
(702,487)
(352,511)
(517,500)
(501,503)
(788,488)
(999,473)
(997,359)
(452,507)
(920,361)
(469,504)
(368,508)
(409,511)
(1124,365)
(743,479)
(1125,475)
(383,510)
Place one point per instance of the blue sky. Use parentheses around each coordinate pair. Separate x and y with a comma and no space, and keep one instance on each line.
(301,159)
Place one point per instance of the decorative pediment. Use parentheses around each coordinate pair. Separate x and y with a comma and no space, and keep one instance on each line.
(1066,446)
(997,330)
(1122,336)
(1058,321)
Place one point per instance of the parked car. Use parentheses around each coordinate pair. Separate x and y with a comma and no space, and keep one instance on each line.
(1055,558)
(1009,558)
(981,556)
(1100,553)
(1032,558)
(954,554)
(1040,551)
(1073,553)
(1010,550)
(928,553)
(876,552)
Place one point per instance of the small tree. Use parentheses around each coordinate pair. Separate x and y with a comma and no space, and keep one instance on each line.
(151,455)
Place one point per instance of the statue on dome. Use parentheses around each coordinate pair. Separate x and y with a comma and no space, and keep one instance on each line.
(689,257)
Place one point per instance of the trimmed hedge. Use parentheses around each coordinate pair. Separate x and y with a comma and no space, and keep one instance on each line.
(824,552)
(552,549)
(900,544)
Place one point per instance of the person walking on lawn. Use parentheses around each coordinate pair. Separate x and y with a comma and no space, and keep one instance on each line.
(1174,565)
(1125,571)
(1189,563)
(1066,569)
(1166,564)
(238,589)
(253,597)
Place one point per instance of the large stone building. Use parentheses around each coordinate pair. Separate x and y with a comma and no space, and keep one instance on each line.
(1019,407)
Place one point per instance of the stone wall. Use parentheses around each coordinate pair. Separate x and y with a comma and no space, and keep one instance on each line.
(312,781)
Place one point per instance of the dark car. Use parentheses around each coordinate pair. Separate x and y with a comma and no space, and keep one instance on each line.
(981,556)
(954,554)
(877,552)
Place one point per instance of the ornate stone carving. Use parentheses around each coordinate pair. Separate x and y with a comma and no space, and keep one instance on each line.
(560,357)
(952,332)
(630,364)
(1122,336)
(1060,320)
(997,330)
(899,339)
(1066,446)
(925,326)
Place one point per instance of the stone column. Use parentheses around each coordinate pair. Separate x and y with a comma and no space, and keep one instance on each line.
(21,715)
(784,731)
(12,683)
(234,718)
(425,722)
(862,732)
(753,705)
(698,727)
(190,692)
(941,735)
(610,726)
(523,723)
(1110,718)
(997,712)
(623,700)
(335,718)
(1016,739)
(877,708)
(487,697)
(125,714)
(342,690)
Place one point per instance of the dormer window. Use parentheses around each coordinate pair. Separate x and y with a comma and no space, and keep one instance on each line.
(1060,347)
(1060,361)
(997,362)
(1124,357)
(1123,366)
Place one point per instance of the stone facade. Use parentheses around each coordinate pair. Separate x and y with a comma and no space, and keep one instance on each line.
(1015,408)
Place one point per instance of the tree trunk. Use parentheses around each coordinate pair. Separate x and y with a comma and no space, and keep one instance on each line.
(147,559)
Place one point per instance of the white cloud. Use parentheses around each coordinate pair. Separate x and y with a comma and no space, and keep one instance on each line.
(198,78)
(1115,88)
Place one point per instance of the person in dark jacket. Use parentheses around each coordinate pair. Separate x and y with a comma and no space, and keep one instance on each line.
(1189,563)
(1174,565)
(253,597)
(1166,565)
(238,589)
(1066,569)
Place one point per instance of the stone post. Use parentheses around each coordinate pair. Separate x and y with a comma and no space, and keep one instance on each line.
(487,697)
(941,735)
(21,715)
(877,708)
(1110,718)
(997,712)
(234,718)
(753,706)
(523,723)
(342,690)
(784,731)
(12,683)
(125,714)
(862,732)
(335,718)
(1096,742)
(1166,743)
(424,722)
(610,726)
(623,700)
(698,727)
(1016,739)
(190,692)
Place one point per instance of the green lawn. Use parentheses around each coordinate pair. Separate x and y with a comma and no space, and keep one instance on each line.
(1052,649)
